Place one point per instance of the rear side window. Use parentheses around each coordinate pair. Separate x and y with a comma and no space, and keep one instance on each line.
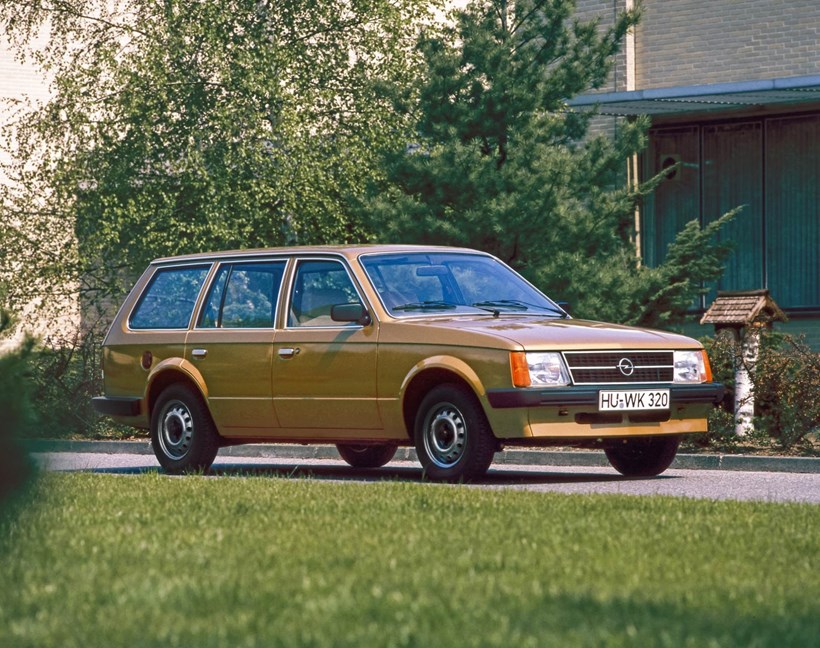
(168,301)
(243,295)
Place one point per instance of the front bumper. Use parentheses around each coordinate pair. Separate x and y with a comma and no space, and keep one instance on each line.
(586,396)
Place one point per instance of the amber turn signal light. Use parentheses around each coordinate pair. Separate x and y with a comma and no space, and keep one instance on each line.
(706,367)
(520,369)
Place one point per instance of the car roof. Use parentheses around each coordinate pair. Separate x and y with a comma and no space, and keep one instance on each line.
(348,251)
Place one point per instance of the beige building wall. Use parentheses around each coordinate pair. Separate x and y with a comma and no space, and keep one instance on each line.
(17,79)
(21,83)
(23,86)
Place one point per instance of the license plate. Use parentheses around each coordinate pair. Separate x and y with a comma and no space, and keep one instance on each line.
(632,400)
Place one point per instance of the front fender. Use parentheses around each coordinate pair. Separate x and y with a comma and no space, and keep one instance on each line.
(450,364)
(509,423)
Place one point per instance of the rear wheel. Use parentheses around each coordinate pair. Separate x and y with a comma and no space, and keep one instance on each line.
(183,435)
(452,435)
(643,457)
(366,456)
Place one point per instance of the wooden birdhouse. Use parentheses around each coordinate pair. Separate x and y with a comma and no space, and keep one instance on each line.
(742,315)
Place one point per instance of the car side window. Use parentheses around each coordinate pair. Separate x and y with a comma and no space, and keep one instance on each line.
(243,295)
(169,299)
(317,287)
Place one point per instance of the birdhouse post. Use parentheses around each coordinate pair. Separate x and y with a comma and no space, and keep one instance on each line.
(743,315)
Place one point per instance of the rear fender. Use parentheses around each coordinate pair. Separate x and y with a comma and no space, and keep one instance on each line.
(169,371)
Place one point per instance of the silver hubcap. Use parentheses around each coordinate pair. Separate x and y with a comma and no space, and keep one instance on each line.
(445,436)
(176,430)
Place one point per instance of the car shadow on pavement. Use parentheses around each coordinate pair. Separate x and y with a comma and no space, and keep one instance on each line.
(495,477)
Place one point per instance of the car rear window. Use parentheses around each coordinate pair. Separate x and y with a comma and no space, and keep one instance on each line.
(168,301)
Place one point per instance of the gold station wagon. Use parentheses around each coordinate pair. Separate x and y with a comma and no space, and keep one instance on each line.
(373,347)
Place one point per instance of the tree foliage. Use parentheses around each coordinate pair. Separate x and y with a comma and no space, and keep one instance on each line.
(180,125)
(500,163)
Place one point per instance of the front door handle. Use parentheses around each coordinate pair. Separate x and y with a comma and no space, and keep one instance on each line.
(199,353)
(288,352)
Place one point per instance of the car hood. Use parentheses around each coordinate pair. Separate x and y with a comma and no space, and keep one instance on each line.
(541,333)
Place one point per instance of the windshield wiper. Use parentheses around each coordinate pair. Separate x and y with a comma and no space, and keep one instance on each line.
(426,305)
(516,304)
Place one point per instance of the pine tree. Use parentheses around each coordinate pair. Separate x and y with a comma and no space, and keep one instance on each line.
(498,162)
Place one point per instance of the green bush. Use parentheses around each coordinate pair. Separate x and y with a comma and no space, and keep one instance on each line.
(66,374)
(785,384)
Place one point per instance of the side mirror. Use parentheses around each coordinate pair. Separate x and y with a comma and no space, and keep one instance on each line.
(350,313)
(563,305)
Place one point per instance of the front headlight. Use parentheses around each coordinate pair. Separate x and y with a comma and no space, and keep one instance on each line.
(538,369)
(692,367)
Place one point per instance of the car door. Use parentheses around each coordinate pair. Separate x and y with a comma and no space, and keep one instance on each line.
(324,372)
(232,345)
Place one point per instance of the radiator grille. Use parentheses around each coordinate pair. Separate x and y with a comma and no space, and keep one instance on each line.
(617,367)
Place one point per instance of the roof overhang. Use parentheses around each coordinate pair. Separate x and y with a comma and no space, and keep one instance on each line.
(715,97)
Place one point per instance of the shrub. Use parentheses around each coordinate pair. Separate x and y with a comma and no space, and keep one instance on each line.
(66,374)
(785,385)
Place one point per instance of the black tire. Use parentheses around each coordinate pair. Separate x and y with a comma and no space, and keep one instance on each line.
(643,457)
(453,438)
(183,434)
(366,456)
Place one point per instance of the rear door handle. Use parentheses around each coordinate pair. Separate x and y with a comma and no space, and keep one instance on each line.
(199,353)
(288,352)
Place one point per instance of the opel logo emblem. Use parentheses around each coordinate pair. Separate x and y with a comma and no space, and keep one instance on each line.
(626,367)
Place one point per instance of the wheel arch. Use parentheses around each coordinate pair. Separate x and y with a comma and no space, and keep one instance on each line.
(171,372)
(431,373)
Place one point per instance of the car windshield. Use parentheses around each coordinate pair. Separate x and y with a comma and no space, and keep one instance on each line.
(447,283)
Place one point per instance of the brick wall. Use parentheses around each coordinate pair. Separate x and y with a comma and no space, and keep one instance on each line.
(605,11)
(691,42)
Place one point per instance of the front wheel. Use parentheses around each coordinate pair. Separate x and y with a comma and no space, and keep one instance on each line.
(366,456)
(452,435)
(183,435)
(643,457)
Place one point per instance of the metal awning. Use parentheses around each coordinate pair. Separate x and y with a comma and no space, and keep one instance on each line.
(713,97)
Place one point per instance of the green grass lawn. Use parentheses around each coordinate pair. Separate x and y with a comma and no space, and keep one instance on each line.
(150,560)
